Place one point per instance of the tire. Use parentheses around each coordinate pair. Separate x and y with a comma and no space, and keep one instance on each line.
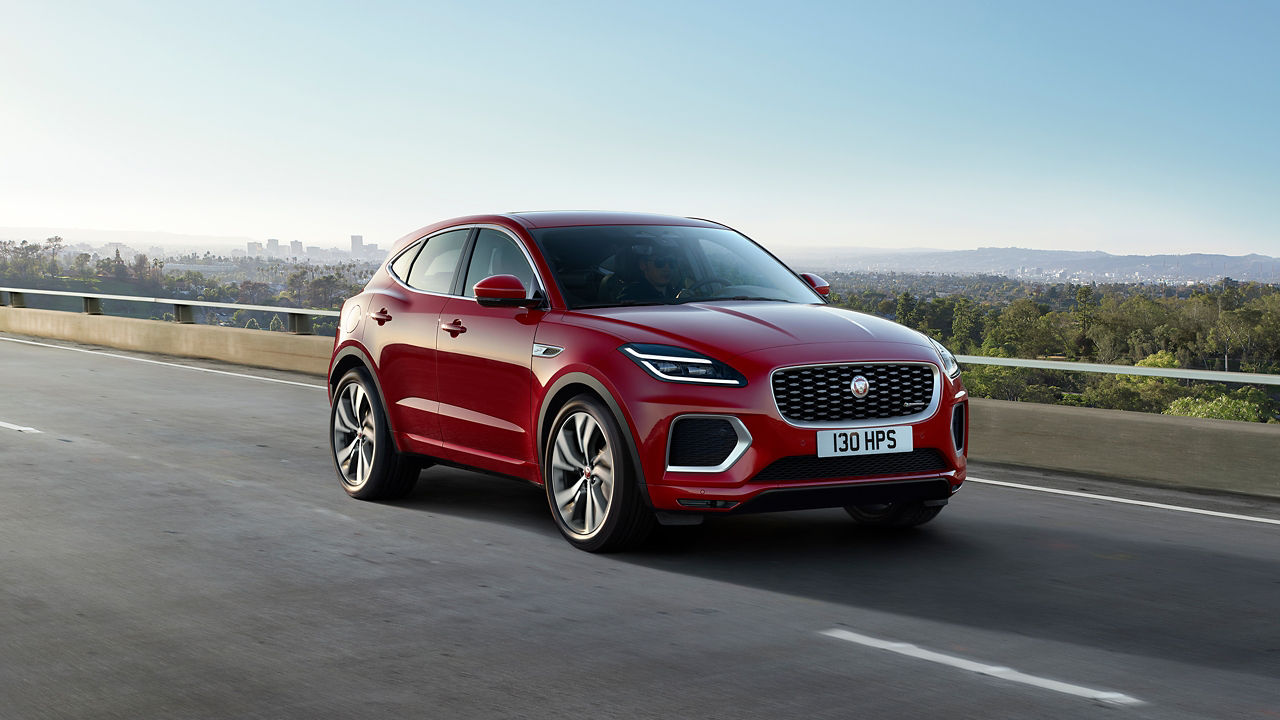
(893,515)
(591,488)
(364,454)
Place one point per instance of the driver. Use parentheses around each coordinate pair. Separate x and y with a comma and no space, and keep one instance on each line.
(655,279)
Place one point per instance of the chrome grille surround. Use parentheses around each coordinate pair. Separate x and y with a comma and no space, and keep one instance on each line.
(826,387)
(743,442)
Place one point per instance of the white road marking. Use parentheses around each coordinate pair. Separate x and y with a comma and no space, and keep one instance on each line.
(1126,501)
(998,671)
(19,428)
(168,364)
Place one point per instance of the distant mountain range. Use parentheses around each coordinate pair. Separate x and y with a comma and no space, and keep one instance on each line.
(138,239)
(1057,265)
(1023,263)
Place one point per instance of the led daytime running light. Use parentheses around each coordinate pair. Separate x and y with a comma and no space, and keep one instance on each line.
(696,370)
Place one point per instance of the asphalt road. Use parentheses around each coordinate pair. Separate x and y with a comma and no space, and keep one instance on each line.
(174,544)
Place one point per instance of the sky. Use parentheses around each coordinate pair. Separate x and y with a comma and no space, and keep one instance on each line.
(1129,127)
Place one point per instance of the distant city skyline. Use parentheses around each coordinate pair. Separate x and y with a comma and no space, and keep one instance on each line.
(1133,128)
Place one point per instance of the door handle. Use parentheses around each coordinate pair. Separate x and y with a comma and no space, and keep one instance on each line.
(381,316)
(454,328)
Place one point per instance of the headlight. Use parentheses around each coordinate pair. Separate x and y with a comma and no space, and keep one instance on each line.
(949,363)
(675,364)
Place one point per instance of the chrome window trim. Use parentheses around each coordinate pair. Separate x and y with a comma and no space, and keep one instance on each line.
(925,414)
(426,238)
(744,442)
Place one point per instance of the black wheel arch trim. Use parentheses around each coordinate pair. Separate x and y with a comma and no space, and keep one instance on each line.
(580,378)
(367,364)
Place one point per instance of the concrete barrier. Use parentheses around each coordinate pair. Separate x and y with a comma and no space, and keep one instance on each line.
(1163,450)
(1156,449)
(283,351)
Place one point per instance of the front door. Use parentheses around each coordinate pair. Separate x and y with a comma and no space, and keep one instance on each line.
(484,358)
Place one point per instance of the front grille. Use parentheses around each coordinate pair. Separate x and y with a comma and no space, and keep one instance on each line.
(701,442)
(812,467)
(822,393)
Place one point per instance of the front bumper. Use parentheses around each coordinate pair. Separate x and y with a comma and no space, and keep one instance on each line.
(780,470)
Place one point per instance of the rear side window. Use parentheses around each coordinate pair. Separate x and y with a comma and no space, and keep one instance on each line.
(434,267)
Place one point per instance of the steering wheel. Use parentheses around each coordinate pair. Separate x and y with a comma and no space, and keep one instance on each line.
(693,289)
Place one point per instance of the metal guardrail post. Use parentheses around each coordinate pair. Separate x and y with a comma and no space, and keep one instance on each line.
(184,314)
(92,306)
(300,324)
(17,300)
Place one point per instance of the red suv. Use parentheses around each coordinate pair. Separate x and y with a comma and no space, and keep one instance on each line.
(643,369)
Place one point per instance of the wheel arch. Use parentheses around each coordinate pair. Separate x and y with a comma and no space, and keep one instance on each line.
(571,385)
(349,358)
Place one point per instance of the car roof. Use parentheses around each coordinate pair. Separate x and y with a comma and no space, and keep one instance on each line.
(561,218)
(555,219)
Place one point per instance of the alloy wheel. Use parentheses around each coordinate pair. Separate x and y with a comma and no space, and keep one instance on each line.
(582,474)
(354,434)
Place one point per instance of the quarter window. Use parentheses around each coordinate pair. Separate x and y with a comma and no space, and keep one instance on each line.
(434,268)
(400,266)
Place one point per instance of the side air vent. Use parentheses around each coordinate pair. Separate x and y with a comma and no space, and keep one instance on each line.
(958,420)
(706,443)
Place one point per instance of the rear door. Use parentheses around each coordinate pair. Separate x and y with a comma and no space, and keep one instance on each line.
(484,358)
(406,318)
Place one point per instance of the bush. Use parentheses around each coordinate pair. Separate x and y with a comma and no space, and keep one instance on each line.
(1222,407)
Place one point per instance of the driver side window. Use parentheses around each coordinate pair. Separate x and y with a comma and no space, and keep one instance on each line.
(497,254)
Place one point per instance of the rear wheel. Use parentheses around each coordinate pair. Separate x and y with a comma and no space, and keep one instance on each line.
(593,492)
(893,515)
(364,454)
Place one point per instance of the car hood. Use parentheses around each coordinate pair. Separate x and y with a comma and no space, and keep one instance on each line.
(739,327)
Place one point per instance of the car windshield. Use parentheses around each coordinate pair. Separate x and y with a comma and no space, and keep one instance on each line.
(615,265)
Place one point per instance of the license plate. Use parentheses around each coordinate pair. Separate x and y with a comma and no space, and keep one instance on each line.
(865,441)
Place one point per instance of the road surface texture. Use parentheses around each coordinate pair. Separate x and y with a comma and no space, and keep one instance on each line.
(174,544)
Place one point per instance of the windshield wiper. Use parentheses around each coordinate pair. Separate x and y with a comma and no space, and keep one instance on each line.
(620,303)
(742,297)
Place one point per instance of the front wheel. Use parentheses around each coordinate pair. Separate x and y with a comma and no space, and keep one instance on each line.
(593,493)
(364,454)
(893,515)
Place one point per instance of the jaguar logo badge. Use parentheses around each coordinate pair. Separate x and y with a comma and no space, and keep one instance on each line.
(860,387)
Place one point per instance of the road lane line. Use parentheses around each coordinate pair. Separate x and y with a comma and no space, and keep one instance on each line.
(1126,501)
(168,364)
(19,428)
(997,671)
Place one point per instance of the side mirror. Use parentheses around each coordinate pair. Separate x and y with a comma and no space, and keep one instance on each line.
(820,286)
(504,291)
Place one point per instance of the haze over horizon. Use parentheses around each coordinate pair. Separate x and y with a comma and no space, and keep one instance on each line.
(1142,128)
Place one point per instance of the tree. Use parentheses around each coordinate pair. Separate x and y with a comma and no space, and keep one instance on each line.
(81,266)
(966,326)
(905,311)
(276,325)
(118,268)
(53,246)
(252,324)
(1222,407)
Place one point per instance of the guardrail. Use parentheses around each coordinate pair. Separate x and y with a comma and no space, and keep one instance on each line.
(300,323)
(1178,373)
(1196,453)
(299,319)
